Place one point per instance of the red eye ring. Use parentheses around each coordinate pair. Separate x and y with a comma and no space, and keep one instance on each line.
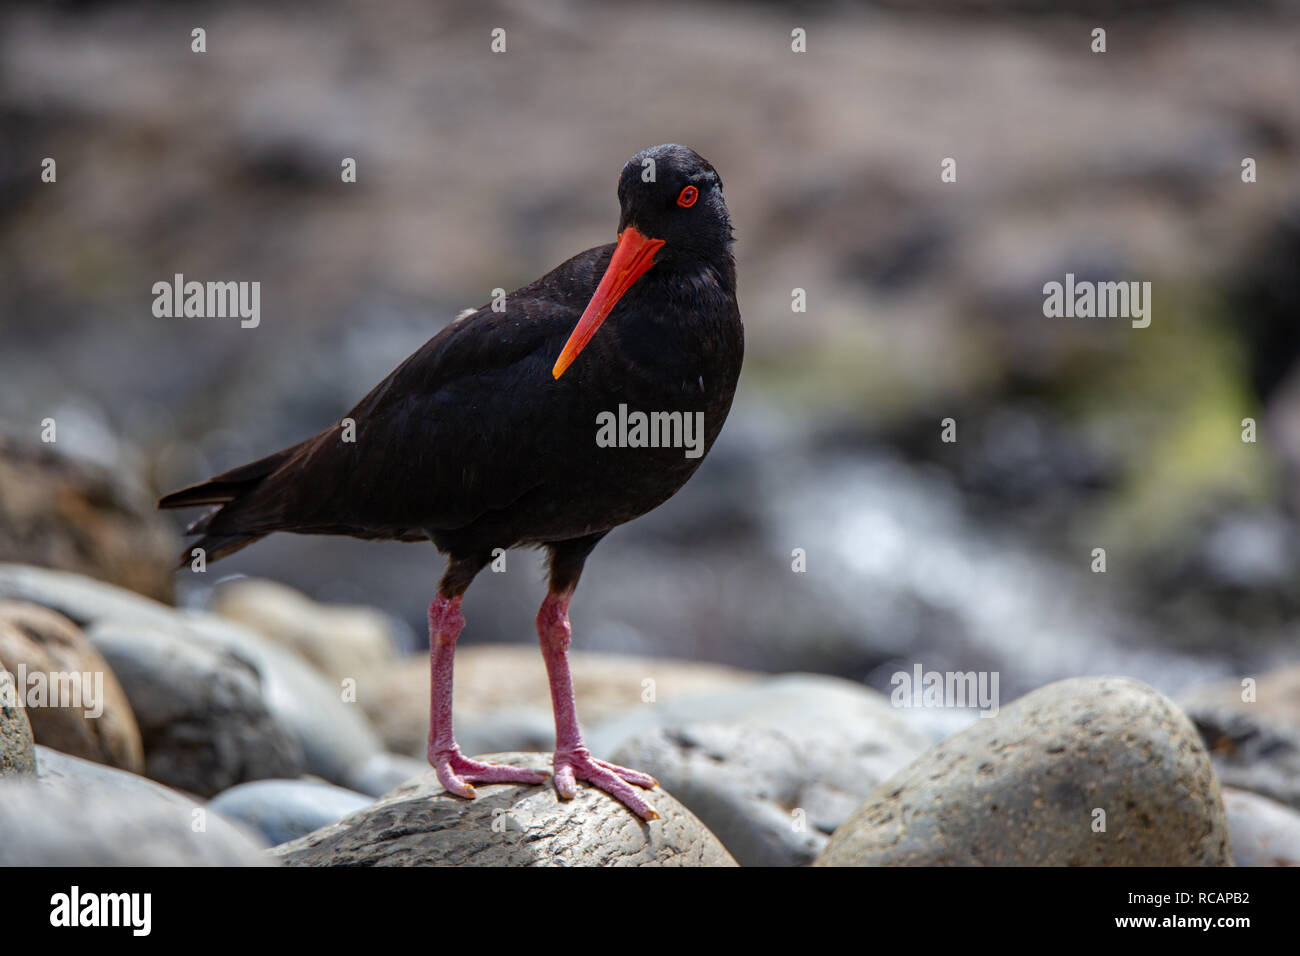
(686,198)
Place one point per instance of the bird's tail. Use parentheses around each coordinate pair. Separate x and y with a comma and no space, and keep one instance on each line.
(233,487)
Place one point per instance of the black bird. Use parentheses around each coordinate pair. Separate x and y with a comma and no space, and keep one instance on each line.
(588,401)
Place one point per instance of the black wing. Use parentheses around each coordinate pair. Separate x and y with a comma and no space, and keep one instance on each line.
(458,430)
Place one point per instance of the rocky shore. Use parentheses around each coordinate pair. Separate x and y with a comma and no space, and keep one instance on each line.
(239,736)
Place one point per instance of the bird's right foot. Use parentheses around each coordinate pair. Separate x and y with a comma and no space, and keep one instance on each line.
(459,773)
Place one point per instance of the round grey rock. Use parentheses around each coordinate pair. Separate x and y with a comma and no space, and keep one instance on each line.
(283,810)
(420,824)
(79,813)
(201,710)
(1088,771)
(773,766)
(748,784)
(335,734)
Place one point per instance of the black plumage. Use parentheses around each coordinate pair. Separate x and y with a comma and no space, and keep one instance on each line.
(486,437)
(472,444)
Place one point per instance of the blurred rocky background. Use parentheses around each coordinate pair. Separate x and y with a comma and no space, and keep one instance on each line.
(924,302)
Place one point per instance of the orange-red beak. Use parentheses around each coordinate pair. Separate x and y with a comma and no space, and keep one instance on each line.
(633,255)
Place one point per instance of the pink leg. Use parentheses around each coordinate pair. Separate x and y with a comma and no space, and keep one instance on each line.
(573,761)
(456,771)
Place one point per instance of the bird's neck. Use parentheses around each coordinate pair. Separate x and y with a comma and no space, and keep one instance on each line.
(693,284)
(679,323)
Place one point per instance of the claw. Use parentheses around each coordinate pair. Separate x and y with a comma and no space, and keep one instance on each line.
(631,776)
(459,773)
(579,764)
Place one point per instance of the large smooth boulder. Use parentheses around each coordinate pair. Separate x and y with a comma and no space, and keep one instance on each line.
(1100,771)
(420,824)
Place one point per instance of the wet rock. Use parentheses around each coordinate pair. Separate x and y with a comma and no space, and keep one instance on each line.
(78,813)
(1264,832)
(1028,787)
(1252,729)
(283,810)
(17,747)
(771,767)
(75,703)
(420,824)
(338,640)
(57,512)
(201,710)
(503,700)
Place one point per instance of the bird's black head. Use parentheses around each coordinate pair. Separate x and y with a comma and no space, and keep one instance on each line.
(673,193)
(673,217)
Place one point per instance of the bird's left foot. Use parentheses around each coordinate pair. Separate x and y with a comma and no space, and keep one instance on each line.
(459,773)
(578,764)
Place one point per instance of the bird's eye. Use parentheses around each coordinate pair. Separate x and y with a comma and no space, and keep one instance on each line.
(686,198)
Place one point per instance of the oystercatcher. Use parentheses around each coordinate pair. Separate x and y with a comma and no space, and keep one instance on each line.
(486,437)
